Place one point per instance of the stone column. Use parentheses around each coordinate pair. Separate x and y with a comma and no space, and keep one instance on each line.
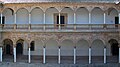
(59,53)
(74,21)
(14,52)
(59,22)
(14,18)
(119,17)
(119,53)
(104,18)
(1,18)
(89,17)
(89,55)
(44,20)
(105,55)
(1,53)
(29,55)
(29,18)
(44,55)
(75,55)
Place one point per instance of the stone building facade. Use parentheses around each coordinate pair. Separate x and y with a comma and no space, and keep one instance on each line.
(89,30)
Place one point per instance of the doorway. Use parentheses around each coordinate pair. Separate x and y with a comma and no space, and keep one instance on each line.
(8,49)
(19,49)
(116,21)
(115,49)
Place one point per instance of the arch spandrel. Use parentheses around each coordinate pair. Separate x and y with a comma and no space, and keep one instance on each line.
(98,38)
(50,8)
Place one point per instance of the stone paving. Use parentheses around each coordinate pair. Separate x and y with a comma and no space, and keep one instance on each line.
(22,61)
(19,64)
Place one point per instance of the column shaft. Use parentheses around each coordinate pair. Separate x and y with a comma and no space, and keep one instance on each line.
(44,57)
(104,55)
(0,54)
(119,17)
(89,55)
(59,53)
(15,19)
(74,55)
(119,54)
(59,21)
(74,21)
(29,18)
(89,17)
(44,21)
(1,18)
(29,55)
(14,50)
(104,18)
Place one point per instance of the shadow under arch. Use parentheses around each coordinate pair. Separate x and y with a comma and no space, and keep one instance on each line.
(114,47)
(7,50)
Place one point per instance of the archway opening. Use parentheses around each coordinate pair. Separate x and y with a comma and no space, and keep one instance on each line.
(8,47)
(97,51)
(67,47)
(7,50)
(113,51)
(82,47)
(19,47)
(114,47)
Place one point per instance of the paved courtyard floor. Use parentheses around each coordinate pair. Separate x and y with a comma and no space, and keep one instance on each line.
(36,61)
(19,64)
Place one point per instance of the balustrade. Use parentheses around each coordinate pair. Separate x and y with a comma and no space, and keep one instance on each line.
(63,27)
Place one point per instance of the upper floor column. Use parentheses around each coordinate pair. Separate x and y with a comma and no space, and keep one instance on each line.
(119,17)
(90,16)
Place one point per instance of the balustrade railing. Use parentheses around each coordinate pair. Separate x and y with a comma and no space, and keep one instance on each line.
(59,27)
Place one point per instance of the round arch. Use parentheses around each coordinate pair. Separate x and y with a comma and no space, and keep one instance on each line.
(82,15)
(82,47)
(67,47)
(22,16)
(97,16)
(112,16)
(37,16)
(97,47)
(51,47)
(68,14)
(50,15)
(8,8)
(8,16)
(19,46)
(114,47)
(35,8)
(8,46)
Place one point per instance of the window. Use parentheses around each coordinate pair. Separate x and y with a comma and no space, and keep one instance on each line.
(63,19)
(116,21)
(3,20)
(32,46)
